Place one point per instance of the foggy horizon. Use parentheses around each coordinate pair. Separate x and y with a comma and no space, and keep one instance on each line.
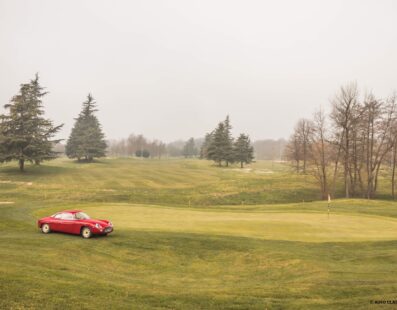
(172,70)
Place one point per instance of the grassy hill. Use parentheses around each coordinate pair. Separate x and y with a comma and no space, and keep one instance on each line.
(191,236)
(165,182)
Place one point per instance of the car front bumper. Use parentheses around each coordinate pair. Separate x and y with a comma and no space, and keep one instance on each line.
(107,230)
(102,231)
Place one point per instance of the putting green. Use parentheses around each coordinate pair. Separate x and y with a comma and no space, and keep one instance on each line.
(305,226)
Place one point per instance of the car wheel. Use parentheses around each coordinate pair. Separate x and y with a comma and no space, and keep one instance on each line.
(86,233)
(45,228)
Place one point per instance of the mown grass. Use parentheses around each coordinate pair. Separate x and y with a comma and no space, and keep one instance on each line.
(165,182)
(192,236)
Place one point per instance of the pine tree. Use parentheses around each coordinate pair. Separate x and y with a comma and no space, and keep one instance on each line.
(25,135)
(228,142)
(243,150)
(216,149)
(86,140)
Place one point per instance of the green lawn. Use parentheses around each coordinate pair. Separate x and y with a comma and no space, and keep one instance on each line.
(190,235)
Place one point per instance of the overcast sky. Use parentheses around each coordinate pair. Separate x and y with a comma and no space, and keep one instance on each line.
(173,69)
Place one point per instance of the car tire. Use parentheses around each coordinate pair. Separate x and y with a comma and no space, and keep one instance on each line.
(45,228)
(86,233)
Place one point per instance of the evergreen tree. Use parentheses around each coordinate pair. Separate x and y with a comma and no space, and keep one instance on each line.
(243,150)
(204,147)
(228,142)
(86,140)
(25,135)
(190,150)
(217,148)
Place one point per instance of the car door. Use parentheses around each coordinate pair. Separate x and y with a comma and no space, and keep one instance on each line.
(66,223)
(75,225)
(56,222)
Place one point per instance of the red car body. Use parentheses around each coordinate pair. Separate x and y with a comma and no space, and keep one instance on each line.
(74,222)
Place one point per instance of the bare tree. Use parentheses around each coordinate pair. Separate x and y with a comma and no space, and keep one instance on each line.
(345,113)
(297,148)
(156,148)
(304,130)
(364,137)
(117,148)
(293,151)
(378,119)
(393,132)
(320,151)
(393,145)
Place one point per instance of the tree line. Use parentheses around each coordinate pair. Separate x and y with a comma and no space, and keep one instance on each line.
(137,145)
(221,147)
(27,136)
(352,143)
(218,145)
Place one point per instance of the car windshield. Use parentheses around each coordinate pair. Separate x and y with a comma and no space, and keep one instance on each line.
(81,216)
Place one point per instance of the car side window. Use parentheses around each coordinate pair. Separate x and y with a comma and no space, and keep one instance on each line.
(58,216)
(67,216)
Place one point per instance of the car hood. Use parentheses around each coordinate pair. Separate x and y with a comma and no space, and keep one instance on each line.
(46,218)
(93,222)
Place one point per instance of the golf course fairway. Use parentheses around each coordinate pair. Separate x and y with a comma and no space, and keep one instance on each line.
(191,236)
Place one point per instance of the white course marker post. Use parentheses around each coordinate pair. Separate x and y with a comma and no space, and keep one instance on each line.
(329,203)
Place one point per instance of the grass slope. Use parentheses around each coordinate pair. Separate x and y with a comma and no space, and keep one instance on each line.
(246,241)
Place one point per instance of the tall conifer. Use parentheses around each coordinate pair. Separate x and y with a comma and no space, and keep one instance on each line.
(86,140)
(243,150)
(228,142)
(25,135)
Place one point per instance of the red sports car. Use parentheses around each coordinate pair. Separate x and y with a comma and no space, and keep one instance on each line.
(75,222)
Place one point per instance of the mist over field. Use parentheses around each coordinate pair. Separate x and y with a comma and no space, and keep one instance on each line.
(172,69)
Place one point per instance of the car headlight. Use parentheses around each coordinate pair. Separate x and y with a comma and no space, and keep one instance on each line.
(98,226)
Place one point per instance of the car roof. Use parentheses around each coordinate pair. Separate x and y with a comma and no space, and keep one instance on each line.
(70,211)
